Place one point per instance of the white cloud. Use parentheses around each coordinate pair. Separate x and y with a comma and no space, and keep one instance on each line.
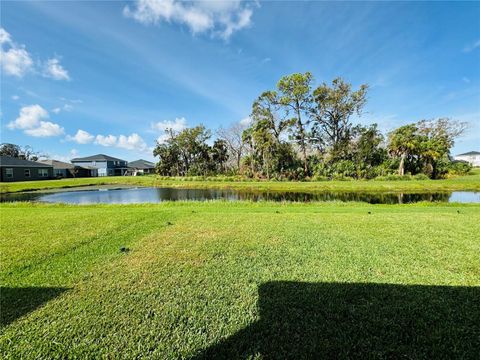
(108,140)
(220,17)
(56,110)
(132,142)
(176,125)
(163,126)
(246,121)
(53,69)
(31,121)
(129,142)
(15,97)
(5,37)
(15,61)
(45,129)
(472,46)
(29,117)
(81,137)
(466,80)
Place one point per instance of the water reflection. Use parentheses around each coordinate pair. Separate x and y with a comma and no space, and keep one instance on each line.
(155,195)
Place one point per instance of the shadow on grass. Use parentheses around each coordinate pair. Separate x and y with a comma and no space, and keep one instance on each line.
(16,302)
(340,320)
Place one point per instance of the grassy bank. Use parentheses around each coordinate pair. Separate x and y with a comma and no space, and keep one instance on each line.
(228,280)
(469,182)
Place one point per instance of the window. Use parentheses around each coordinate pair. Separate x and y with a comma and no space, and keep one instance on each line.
(27,172)
(43,172)
(9,172)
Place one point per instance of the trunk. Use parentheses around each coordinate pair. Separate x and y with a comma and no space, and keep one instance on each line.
(238,161)
(305,164)
(302,139)
(401,167)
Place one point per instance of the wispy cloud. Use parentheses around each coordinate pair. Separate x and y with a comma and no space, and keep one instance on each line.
(470,47)
(33,121)
(220,18)
(53,69)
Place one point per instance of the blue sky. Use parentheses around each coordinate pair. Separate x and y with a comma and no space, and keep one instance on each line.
(107,77)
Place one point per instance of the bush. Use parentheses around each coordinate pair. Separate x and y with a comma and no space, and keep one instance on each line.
(394,178)
(421,177)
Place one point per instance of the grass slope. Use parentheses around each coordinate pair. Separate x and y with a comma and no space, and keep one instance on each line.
(469,182)
(240,280)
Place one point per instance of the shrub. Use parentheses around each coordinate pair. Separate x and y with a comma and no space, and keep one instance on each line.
(394,177)
(421,177)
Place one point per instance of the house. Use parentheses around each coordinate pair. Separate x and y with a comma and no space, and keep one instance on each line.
(103,164)
(15,169)
(66,170)
(141,167)
(472,157)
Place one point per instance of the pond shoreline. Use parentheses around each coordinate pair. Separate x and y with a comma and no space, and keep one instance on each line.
(114,194)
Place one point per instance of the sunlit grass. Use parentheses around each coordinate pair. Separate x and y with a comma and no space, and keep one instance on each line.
(194,271)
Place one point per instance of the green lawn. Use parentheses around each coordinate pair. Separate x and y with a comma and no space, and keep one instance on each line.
(240,280)
(469,182)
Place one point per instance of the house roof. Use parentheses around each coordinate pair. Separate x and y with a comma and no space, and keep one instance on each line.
(141,164)
(58,164)
(98,157)
(469,153)
(16,162)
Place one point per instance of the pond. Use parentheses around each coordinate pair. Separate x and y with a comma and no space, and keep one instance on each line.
(156,195)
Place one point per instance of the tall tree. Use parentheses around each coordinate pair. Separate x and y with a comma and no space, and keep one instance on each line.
(403,142)
(333,107)
(232,136)
(294,94)
(436,138)
(219,153)
(367,151)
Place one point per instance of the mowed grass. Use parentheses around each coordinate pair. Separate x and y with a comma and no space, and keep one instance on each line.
(240,280)
(469,182)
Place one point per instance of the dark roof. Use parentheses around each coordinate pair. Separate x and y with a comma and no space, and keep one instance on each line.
(16,162)
(141,164)
(57,164)
(98,157)
(470,153)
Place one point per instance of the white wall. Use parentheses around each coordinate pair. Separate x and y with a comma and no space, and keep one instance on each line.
(472,159)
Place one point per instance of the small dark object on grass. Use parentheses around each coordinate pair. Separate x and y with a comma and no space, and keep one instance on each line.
(193,211)
(124,249)
(369,212)
(169,223)
(277,212)
(458,211)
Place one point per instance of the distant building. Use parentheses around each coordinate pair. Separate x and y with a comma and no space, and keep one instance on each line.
(66,170)
(472,157)
(103,164)
(15,169)
(141,167)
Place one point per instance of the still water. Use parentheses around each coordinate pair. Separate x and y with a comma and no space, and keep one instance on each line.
(155,195)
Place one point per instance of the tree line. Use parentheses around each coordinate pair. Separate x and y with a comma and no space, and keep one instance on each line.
(298,132)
